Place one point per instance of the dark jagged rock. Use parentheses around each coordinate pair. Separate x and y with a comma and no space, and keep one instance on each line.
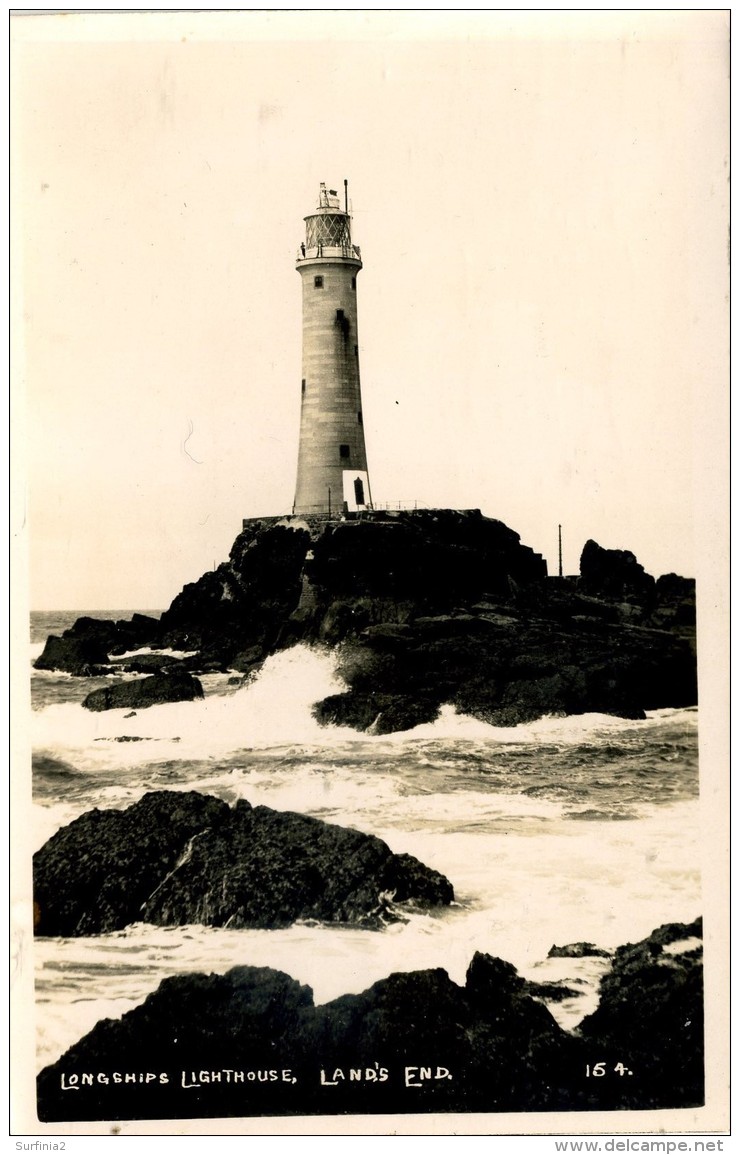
(102,630)
(94,875)
(437,556)
(675,602)
(375,713)
(508,669)
(578,950)
(243,605)
(246,601)
(614,573)
(136,630)
(489,978)
(512,654)
(244,1020)
(426,608)
(85,647)
(264,868)
(251,1042)
(83,657)
(571,691)
(117,636)
(175,685)
(412,1042)
(650,1016)
(248,661)
(173,859)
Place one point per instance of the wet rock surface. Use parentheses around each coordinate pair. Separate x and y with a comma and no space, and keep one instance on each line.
(172,685)
(178,858)
(251,1042)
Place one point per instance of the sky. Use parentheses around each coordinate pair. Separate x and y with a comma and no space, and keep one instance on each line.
(542,206)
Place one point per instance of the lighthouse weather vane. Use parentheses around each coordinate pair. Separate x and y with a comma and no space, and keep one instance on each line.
(332,462)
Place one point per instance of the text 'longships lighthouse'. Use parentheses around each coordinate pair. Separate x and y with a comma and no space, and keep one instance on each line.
(332,463)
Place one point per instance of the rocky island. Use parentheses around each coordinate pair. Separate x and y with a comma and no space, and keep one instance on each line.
(423,608)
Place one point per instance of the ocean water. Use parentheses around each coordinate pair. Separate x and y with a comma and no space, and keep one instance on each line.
(561,830)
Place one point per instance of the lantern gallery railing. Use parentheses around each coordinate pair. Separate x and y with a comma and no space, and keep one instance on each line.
(336,509)
(348,252)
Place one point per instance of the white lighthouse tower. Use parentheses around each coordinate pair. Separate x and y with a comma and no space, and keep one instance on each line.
(332,462)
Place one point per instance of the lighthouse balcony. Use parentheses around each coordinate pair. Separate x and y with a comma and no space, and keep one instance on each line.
(329,252)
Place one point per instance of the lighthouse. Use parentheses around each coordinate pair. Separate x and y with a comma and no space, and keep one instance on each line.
(332,462)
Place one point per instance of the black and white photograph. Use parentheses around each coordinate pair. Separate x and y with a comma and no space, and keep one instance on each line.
(369,512)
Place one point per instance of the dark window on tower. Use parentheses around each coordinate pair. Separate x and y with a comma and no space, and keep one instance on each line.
(340,314)
(354,282)
(303,385)
(344,450)
(318,282)
(359,417)
(355,350)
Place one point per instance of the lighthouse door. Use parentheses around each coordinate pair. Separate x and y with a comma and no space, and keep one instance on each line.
(355,489)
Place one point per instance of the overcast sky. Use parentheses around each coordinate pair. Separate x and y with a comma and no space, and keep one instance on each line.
(541,204)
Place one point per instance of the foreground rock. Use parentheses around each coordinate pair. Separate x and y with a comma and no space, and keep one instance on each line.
(251,1042)
(175,685)
(651,1007)
(177,858)
(427,608)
